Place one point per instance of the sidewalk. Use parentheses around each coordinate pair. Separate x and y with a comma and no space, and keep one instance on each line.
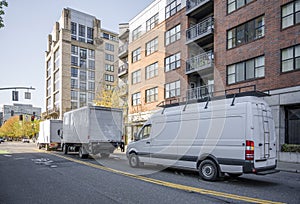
(282,166)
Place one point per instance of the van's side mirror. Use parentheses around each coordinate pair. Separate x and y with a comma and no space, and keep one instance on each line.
(135,136)
(58,132)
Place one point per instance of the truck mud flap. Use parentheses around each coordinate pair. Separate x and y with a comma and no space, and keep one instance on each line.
(272,171)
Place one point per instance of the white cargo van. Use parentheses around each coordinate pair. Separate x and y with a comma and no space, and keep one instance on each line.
(233,136)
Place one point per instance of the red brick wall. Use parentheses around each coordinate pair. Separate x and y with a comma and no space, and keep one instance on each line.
(270,45)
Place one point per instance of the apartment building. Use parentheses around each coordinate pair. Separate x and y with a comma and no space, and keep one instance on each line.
(257,44)
(123,75)
(81,60)
(156,53)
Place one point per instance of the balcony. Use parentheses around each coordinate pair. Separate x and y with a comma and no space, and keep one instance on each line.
(200,92)
(123,70)
(200,31)
(199,8)
(51,113)
(123,50)
(200,62)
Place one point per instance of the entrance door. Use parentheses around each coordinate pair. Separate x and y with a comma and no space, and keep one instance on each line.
(292,133)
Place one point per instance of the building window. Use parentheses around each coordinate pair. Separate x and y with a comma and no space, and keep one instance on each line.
(151,95)
(81,33)
(136,55)
(56,59)
(172,62)
(172,35)
(136,77)
(151,46)
(109,47)
(91,54)
(82,99)
(91,64)
(91,97)
(109,78)
(74,83)
(74,61)
(74,50)
(246,32)
(90,35)
(136,33)
(172,7)
(109,67)
(83,63)
(73,30)
(290,14)
(82,75)
(91,86)
(91,75)
(109,57)
(152,22)
(74,105)
(172,89)
(233,5)
(290,59)
(82,86)
(83,53)
(152,70)
(250,69)
(74,95)
(74,72)
(136,99)
(292,125)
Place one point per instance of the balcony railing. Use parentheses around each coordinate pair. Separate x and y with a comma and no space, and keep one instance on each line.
(200,62)
(123,50)
(200,92)
(192,4)
(123,69)
(200,30)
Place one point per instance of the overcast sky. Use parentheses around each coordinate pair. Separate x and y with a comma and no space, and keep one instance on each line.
(23,40)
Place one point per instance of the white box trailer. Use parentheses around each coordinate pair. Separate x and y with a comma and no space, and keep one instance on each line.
(48,136)
(92,130)
(232,136)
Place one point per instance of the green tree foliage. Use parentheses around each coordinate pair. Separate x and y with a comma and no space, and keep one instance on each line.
(3,3)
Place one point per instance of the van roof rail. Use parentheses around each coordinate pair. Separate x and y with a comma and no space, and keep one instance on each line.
(227,93)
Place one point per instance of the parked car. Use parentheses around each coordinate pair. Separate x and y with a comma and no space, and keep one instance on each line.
(1,140)
(25,140)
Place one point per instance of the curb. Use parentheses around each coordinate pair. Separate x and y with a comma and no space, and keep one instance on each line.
(289,170)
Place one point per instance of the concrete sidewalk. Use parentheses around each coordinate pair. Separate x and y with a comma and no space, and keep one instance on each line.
(282,166)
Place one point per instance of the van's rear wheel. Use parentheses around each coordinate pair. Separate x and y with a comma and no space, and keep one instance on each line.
(208,170)
(134,161)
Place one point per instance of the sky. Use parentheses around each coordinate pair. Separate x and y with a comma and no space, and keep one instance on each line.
(23,40)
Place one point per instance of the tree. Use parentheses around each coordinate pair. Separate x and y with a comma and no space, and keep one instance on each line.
(3,3)
(108,98)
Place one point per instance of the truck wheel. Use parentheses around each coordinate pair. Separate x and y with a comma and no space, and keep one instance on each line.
(39,146)
(47,147)
(134,161)
(65,148)
(104,155)
(208,170)
(234,175)
(81,155)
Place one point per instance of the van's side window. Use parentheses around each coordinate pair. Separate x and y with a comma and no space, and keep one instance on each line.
(145,133)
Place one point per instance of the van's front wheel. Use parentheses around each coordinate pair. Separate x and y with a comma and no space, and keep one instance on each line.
(134,160)
(208,170)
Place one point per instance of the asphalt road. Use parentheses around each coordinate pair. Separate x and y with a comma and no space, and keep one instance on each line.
(31,176)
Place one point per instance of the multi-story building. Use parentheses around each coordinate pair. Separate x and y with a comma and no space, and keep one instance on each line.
(123,76)
(156,55)
(257,44)
(19,109)
(81,61)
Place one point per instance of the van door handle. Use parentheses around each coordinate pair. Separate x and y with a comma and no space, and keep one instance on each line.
(147,142)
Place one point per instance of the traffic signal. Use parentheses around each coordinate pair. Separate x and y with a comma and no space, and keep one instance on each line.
(12,113)
(21,117)
(32,118)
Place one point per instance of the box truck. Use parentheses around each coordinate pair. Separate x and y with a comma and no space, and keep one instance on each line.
(92,130)
(48,137)
(233,135)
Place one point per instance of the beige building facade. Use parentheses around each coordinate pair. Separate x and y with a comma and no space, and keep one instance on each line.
(81,60)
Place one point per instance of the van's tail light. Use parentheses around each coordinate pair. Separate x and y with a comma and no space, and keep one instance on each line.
(249,152)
